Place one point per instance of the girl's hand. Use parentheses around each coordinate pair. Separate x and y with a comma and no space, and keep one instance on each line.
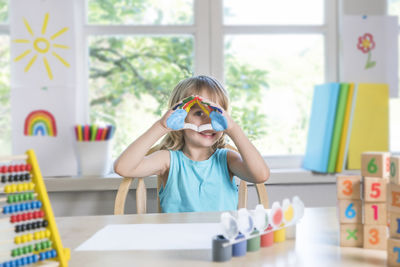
(231,123)
(163,120)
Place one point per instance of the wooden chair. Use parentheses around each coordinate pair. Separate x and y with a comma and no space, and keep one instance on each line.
(141,196)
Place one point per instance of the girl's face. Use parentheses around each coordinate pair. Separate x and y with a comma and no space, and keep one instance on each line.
(198,117)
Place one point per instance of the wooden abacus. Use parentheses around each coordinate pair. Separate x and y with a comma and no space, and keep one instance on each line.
(29,231)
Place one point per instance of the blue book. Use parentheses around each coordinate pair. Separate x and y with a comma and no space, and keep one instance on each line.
(321,126)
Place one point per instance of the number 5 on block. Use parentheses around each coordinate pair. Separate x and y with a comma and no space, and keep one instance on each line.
(350,211)
(348,187)
(375,189)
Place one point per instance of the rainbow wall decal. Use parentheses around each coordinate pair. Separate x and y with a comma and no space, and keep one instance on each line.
(40,122)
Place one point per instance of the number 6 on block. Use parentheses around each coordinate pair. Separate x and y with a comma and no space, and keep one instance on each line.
(375,189)
(350,211)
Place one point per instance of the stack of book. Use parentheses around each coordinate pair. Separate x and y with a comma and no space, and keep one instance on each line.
(346,120)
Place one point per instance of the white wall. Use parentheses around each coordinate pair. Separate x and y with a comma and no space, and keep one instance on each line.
(364,7)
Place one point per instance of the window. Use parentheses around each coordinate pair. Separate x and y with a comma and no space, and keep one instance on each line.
(285,58)
(138,50)
(394,9)
(135,65)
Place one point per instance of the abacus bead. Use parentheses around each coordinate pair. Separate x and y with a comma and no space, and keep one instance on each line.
(14,253)
(3,178)
(3,169)
(48,233)
(10,178)
(30,237)
(22,167)
(37,235)
(24,261)
(25,250)
(45,223)
(10,168)
(20,187)
(28,167)
(31,186)
(17,240)
(35,258)
(27,176)
(28,260)
(42,256)
(15,177)
(41,213)
(21,177)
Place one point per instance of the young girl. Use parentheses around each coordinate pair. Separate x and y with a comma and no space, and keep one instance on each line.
(195,168)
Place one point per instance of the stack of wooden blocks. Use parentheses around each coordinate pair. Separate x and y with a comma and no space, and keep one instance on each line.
(362,203)
(393,201)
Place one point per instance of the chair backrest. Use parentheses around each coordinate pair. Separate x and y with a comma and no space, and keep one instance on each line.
(141,196)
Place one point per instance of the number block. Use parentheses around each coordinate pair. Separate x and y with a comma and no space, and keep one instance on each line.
(351,235)
(394,226)
(350,211)
(375,236)
(393,198)
(375,164)
(394,169)
(375,213)
(375,189)
(348,187)
(393,252)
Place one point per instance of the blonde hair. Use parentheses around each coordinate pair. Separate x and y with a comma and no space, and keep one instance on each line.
(192,86)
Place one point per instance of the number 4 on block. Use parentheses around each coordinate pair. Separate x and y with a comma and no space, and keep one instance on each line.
(348,187)
(351,235)
(350,211)
(375,164)
(375,189)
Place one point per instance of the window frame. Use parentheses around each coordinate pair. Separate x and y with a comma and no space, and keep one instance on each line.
(209,32)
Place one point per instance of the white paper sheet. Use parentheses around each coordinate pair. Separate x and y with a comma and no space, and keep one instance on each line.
(384,30)
(152,237)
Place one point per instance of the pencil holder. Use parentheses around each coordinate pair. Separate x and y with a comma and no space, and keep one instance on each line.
(94,158)
(220,253)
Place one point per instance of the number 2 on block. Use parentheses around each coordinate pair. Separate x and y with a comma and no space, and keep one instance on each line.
(376,191)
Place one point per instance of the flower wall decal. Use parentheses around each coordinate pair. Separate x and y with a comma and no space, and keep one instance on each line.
(366,44)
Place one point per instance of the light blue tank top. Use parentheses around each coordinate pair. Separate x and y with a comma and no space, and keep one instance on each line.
(198,185)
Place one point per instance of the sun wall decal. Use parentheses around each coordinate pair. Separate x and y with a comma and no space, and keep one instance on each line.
(40,45)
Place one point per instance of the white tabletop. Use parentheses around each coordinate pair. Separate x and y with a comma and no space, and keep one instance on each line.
(316,244)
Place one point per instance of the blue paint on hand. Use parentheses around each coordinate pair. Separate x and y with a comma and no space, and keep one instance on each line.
(218,121)
(177,119)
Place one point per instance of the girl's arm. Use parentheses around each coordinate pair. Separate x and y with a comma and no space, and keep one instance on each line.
(133,162)
(248,164)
